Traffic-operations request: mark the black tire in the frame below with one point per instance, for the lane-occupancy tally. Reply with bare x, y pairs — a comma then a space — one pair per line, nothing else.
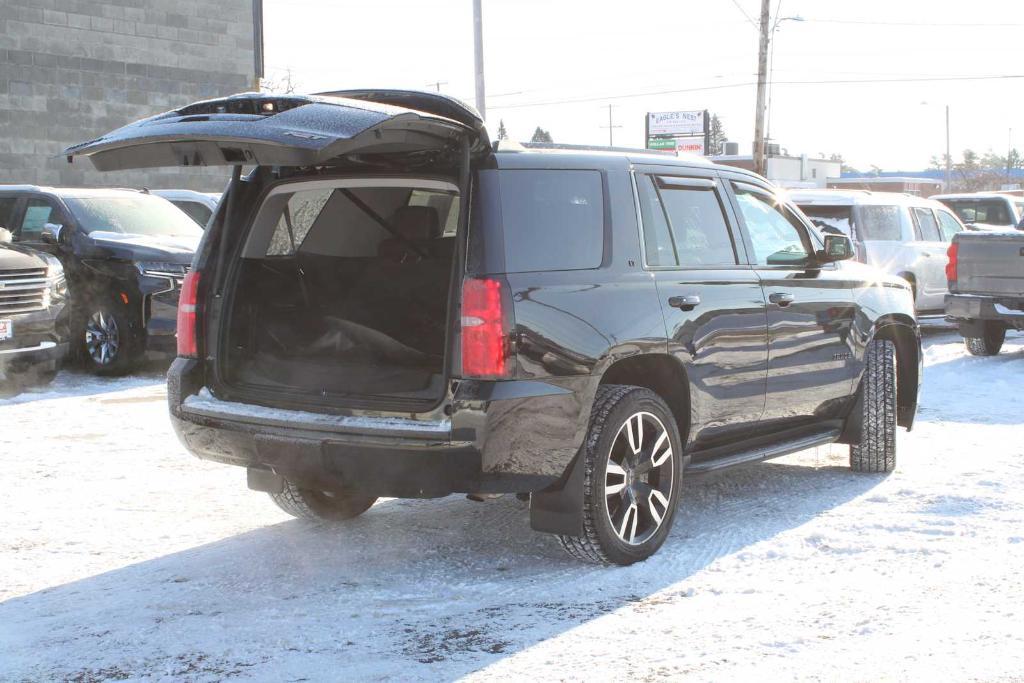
110, 344
601, 542
876, 451
321, 505
993, 336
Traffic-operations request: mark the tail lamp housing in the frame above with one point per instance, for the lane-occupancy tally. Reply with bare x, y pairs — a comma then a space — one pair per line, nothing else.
188, 340
951, 268
485, 330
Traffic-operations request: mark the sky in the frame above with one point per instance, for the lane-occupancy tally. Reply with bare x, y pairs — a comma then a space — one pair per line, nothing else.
559, 64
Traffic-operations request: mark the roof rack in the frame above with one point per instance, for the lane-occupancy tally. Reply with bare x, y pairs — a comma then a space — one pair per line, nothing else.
587, 148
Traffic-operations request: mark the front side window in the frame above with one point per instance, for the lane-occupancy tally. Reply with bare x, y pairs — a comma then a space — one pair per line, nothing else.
38, 212
926, 224
139, 214
552, 219
777, 237
879, 223
948, 225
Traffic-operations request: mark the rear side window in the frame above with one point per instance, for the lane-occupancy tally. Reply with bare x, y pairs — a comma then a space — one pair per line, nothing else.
880, 223
697, 224
552, 219
658, 247
926, 224
6, 209
948, 225
200, 213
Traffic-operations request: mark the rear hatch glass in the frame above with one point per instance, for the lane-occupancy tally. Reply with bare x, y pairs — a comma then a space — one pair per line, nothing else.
987, 211
834, 220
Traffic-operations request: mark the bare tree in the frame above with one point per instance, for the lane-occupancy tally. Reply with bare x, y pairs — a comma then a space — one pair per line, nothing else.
284, 84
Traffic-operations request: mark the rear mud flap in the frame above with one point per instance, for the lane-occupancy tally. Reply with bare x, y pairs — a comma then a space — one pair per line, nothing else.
558, 509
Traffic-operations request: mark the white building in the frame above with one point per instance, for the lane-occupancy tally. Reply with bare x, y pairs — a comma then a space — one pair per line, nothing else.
789, 171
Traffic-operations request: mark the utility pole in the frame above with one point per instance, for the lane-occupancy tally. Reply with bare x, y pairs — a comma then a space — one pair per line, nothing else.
438, 84
1009, 155
478, 53
949, 159
760, 165
611, 142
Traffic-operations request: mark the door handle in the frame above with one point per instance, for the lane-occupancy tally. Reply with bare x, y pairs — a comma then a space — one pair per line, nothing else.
781, 298
684, 303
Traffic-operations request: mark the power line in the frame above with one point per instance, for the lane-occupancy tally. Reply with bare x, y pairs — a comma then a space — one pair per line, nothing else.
744, 13
725, 86
926, 24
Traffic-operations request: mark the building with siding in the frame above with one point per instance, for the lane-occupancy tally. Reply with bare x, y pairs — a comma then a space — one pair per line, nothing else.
71, 70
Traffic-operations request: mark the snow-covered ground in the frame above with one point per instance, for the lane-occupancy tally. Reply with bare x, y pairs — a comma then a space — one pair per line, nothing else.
123, 557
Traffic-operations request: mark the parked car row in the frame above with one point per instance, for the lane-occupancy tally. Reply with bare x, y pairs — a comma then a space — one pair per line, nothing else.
590, 327
92, 275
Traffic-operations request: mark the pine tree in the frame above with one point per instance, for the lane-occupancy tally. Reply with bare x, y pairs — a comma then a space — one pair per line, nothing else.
541, 135
502, 133
716, 136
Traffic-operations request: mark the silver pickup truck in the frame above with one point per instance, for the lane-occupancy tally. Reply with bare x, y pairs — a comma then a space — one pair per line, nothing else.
986, 287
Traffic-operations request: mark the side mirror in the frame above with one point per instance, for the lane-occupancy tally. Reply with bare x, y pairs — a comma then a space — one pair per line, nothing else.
837, 248
51, 233
5, 236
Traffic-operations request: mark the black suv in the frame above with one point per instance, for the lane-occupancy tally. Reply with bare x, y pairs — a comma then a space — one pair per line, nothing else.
389, 306
125, 254
33, 320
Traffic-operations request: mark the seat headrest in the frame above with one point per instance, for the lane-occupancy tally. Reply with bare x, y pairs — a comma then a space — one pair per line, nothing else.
416, 223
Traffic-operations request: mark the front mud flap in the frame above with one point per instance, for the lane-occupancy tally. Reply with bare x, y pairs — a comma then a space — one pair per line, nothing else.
558, 509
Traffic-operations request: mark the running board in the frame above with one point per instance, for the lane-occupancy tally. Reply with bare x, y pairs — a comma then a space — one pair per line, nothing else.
765, 452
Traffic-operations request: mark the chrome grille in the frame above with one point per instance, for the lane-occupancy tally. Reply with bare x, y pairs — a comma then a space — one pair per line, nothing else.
23, 290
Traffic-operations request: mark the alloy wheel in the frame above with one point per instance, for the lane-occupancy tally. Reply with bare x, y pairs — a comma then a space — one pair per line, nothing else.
102, 338
639, 478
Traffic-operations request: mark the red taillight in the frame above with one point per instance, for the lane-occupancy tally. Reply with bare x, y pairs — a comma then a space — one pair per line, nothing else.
953, 252
188, 345
484, 341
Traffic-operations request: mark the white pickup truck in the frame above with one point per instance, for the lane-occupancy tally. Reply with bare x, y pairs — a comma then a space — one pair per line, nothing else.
986, 287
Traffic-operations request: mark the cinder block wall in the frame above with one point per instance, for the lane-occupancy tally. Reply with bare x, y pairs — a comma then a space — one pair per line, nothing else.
71, 70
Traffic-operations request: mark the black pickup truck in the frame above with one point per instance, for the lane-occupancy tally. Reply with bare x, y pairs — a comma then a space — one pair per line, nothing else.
388, 305
33, 320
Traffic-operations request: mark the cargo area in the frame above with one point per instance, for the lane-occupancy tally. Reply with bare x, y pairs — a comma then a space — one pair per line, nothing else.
342, 292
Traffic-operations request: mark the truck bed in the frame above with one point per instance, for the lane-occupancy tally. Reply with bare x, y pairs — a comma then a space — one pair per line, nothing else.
990, 263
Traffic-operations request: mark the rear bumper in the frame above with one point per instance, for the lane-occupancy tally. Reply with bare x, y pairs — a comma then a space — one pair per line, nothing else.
965, 308
496, 439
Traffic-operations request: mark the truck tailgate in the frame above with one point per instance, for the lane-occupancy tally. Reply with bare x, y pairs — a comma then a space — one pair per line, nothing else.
991, 263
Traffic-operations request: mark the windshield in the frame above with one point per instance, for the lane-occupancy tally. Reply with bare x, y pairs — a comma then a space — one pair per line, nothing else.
834, 220
990, 211
132, 215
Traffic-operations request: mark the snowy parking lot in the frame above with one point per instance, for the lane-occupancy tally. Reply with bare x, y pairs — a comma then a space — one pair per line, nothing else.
122, 557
